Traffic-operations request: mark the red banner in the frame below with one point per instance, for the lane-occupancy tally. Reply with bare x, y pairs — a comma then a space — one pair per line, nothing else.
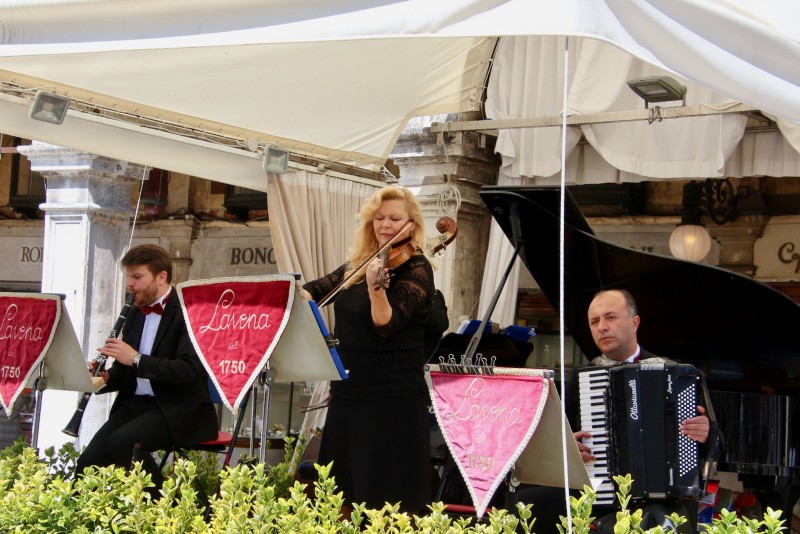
486, 420
235, 324
27, 326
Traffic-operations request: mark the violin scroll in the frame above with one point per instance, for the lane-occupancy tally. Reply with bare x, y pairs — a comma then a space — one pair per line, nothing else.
448, 229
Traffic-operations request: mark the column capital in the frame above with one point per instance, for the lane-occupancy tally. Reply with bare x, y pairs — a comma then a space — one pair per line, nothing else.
82, 182
56, 161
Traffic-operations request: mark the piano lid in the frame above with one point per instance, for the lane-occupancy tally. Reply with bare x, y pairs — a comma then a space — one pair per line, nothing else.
742, 333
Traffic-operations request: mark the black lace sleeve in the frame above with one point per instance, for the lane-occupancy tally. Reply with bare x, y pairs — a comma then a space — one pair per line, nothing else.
437, 321
320, 287
409, 294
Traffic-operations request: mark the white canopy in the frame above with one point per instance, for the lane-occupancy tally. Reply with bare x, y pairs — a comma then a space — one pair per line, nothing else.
184, 84
527, 80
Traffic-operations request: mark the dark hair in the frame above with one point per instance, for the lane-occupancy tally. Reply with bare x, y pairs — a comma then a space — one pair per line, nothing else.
154, 257
630, 302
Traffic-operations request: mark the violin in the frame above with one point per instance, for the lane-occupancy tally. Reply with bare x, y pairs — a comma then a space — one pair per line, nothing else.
386, 246
393, 257
396, 255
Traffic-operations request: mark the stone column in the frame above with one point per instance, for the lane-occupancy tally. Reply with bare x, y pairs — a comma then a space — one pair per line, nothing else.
175, 234
448, 172
737, 242
87, 216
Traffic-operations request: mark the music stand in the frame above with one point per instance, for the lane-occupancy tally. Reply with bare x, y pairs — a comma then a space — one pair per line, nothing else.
262, 324
498, 419
304, 353
61, 365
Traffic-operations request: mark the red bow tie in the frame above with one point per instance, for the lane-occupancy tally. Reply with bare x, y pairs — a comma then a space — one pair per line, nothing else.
155, 308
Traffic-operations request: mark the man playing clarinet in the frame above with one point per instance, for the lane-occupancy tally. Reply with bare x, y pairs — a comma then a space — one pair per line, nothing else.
163, 395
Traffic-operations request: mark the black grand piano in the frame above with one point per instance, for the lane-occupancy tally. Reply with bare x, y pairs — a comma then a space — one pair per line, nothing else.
743, 334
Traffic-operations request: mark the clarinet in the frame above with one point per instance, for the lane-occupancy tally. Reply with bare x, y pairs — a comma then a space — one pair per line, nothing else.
74, 424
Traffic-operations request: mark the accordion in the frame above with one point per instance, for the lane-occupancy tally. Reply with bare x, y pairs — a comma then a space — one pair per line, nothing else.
633, 413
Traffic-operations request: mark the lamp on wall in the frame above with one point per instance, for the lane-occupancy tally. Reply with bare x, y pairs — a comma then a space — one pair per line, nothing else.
49, 107
690, 240
275, 159
658, 89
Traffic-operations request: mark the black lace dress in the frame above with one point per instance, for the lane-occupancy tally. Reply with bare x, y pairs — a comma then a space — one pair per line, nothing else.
376, 432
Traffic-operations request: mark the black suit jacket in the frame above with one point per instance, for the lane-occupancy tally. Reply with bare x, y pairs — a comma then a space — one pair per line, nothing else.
177, 375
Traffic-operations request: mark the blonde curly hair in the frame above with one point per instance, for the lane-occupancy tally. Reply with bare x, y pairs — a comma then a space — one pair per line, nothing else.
365, 244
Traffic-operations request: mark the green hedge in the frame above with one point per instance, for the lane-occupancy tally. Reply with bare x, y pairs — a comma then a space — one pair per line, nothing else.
44, 496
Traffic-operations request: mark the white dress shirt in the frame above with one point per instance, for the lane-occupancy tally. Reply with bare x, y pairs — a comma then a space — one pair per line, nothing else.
151, 322
635, 355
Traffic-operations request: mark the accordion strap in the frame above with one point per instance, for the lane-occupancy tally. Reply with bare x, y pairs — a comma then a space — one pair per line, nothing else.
716, 441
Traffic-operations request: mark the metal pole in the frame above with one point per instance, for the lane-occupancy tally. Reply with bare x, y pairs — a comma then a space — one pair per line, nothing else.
39, 384
265, 380
254, 396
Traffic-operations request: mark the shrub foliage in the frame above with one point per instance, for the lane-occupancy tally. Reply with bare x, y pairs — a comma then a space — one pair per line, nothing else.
44, 496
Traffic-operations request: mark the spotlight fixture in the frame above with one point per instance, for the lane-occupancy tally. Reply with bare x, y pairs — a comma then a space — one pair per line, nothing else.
275, 159
48, 107
658, 89
690, 240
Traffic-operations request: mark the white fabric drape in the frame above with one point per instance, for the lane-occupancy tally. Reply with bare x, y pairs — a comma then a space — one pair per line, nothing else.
516, 89
790, 131
691, 146
764, 154
312, 218
526, 82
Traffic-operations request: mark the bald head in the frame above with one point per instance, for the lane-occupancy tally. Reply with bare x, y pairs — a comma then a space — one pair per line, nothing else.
614, 322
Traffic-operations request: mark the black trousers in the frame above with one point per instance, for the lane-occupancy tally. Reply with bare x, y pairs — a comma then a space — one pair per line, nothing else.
548, 504
137, 420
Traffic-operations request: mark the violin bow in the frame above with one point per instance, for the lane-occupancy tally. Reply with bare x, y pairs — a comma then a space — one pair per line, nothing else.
386, 246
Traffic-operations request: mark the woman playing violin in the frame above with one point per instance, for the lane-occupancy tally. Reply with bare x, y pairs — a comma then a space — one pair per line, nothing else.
376, 432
